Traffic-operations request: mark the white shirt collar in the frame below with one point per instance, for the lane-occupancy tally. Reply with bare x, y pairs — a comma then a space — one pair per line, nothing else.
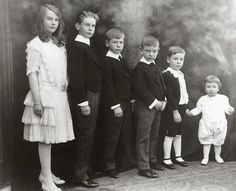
80, 38
175, 73
146, 62
113, 55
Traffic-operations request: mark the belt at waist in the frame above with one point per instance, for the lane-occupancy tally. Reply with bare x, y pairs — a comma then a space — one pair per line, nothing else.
53, 88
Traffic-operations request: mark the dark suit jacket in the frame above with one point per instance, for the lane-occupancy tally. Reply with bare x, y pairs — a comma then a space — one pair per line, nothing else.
116, 82
172, 91
84, 72
148, 83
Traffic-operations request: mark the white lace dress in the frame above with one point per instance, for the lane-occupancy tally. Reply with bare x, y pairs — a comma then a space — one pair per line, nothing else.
55, 126
213, 124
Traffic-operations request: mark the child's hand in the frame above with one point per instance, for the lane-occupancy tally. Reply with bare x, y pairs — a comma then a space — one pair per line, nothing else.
230, 110
177, 116
188, 113
38, 109
118, 112
158, 105
85, 110
163, 105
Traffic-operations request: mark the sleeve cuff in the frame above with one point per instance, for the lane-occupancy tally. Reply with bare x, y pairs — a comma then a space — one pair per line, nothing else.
115, 106
228, 110
153, 104
195, 111
85, 103
132, 101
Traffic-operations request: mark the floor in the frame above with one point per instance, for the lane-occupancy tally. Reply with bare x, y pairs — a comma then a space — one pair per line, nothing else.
213, 177
195, 177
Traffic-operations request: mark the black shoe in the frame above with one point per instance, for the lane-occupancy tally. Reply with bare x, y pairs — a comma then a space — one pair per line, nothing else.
156, 166
183, 163
112, 173
89, 183
169, 166
148, 173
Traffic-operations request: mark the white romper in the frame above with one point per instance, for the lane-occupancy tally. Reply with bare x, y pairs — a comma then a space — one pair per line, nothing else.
213, 124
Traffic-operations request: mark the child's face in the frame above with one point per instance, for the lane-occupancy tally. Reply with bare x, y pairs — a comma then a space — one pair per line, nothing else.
50, 21
87, 27
211, 88
176, 61
115, 45
150, 52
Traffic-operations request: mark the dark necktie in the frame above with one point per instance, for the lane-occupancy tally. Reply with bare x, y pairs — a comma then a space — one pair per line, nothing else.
122, 61
152, 64
124, 66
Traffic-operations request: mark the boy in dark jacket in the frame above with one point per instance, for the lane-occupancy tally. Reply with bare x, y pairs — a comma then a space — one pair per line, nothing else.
149, 91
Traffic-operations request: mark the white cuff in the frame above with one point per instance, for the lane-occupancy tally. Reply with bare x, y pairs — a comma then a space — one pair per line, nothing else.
153, 104
115, 106
132, 101
85, 103
195, 111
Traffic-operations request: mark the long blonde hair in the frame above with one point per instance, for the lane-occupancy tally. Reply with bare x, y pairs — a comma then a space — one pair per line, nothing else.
58, 36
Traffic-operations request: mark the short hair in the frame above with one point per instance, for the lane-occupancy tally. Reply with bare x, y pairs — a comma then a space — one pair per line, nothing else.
211, 79
84, 14
58, 36
114, 33
175, 50
149, 40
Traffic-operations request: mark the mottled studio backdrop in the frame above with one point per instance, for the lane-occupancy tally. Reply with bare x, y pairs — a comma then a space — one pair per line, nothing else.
206, 29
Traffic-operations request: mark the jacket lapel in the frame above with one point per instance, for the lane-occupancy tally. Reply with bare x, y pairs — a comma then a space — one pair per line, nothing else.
94, 57
91, 53
153, 72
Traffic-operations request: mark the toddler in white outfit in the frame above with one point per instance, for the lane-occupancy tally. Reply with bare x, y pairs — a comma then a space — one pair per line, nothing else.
213, 124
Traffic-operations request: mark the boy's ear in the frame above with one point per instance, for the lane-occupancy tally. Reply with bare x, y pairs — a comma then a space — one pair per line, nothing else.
107, 43
77, 26
168, 59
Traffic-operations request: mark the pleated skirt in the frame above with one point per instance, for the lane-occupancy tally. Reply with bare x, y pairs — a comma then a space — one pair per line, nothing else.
55, 125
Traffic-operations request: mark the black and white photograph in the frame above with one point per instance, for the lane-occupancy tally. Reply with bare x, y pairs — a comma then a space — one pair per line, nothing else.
117, 95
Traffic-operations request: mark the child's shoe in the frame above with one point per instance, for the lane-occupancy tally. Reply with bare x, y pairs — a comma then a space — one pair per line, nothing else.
204, 161
56, 180
48, 185
179, 161
219, 159
112, 173
168, 164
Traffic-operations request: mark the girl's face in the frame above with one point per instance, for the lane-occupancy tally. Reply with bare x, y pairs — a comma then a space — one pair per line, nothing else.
50, 21
115, 45
211, 88
176, 61
87, 27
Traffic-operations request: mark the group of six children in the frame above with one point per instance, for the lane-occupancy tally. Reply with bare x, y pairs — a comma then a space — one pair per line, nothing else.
47, 116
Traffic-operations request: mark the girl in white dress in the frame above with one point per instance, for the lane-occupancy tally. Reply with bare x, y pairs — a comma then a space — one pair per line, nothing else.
47, 117
213, 124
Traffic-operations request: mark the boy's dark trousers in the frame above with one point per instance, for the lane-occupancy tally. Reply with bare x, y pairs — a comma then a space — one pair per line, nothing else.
85, 129
118, 138
148, 124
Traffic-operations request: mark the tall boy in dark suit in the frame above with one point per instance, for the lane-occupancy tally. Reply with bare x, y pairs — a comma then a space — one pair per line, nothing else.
117, 95
149, 90
84, 89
